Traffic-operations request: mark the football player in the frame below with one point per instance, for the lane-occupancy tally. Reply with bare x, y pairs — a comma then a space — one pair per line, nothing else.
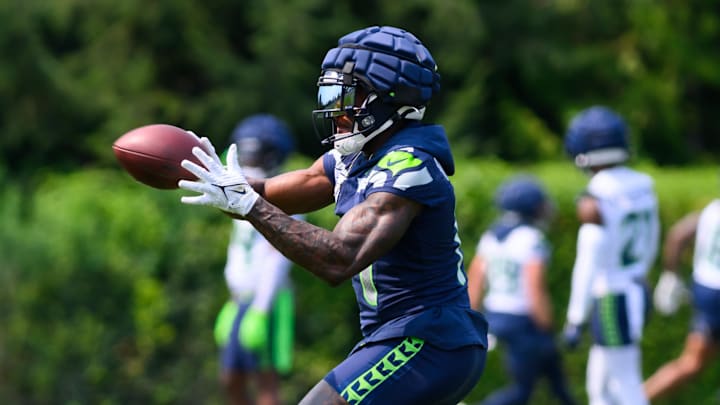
617, 243
397, 237
255, 327
701, 343
507, 279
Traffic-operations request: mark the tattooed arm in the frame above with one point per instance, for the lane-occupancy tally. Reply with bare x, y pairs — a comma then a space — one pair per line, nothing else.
361, 236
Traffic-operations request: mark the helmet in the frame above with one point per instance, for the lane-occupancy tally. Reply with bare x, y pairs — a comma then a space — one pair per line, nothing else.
522, 195
263, 141
597, 136
395, 74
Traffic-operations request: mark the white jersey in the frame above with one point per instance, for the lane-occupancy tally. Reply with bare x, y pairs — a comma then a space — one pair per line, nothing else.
706, 261
254, 270
629, 211
614, 256
505, 269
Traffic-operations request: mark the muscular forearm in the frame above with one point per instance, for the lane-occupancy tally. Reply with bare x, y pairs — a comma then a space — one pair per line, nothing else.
313, 248
363, 234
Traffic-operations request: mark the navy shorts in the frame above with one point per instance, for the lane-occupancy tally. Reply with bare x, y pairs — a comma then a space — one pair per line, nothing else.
275, 354
407, 371
233, 356
521, 333
706, 316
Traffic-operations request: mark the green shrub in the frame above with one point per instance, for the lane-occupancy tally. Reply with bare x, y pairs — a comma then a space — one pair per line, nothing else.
111, 288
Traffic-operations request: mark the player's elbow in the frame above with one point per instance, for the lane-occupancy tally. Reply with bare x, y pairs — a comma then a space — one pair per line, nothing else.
333, 275
333, 279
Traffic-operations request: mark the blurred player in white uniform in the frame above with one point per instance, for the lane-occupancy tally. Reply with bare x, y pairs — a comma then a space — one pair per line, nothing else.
255, 328
506, 278
701, 343
617, 244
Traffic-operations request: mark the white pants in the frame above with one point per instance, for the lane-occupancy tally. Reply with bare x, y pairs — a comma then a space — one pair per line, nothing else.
614, 376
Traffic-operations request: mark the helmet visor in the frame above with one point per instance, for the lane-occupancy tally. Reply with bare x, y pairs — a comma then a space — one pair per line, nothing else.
335, 99
336, 108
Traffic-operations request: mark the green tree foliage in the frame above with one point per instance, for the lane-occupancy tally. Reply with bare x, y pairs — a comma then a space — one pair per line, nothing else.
78, 74
99, 296
110, 289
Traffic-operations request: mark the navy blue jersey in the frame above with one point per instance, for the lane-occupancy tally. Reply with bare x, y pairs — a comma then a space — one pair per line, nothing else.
419, 287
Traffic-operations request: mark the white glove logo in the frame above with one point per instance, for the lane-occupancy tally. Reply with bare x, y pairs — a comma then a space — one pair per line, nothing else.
222, 187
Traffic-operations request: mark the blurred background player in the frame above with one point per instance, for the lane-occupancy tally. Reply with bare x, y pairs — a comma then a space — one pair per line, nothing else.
510, 263
255, 328
617, 243
701, 343
396, 239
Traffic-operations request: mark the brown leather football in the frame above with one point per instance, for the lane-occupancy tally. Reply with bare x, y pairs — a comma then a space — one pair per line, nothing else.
152, 154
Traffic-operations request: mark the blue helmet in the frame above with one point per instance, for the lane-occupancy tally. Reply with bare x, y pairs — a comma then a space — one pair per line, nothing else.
523, 195
397, 77
263, 141
597, 136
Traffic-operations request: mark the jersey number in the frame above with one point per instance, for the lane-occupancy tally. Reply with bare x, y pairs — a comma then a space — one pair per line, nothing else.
504, 276
636, 232
713, 254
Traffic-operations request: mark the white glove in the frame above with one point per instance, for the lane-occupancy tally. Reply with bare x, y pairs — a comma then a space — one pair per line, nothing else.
670, 292
220, 187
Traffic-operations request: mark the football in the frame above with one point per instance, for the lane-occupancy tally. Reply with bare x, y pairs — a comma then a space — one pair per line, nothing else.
152, 154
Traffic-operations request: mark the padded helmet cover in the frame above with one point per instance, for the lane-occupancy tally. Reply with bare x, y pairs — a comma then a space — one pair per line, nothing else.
390, 61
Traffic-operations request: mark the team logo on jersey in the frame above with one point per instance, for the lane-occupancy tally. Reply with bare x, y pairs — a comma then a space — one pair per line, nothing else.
398, 160
406, 170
